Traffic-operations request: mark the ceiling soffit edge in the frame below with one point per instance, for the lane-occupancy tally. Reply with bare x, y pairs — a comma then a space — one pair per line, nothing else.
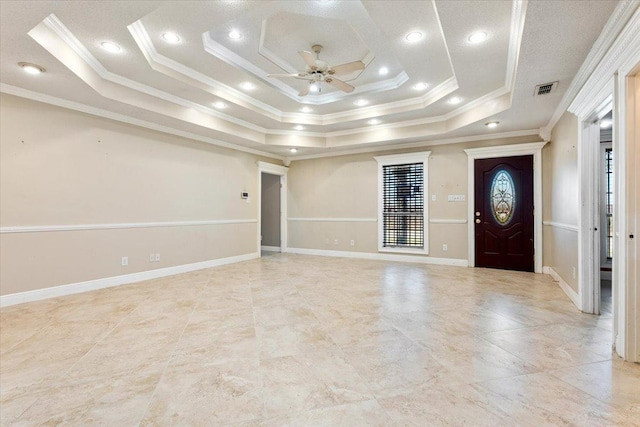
422, 144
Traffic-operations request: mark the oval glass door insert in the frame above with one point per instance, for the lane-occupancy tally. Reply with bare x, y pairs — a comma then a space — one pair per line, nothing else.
503, 198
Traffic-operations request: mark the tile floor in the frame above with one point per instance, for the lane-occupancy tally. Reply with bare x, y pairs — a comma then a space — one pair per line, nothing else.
301, 340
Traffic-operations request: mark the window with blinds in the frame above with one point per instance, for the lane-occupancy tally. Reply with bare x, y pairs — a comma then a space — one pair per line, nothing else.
403, 206
403, 214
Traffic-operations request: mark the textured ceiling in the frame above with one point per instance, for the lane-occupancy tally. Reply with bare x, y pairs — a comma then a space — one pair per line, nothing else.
174, 87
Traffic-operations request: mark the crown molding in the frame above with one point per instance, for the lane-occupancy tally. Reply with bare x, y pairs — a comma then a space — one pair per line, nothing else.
83, 108
54, 24
411, 145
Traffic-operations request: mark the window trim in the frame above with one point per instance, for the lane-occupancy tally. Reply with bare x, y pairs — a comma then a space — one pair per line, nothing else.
400, 159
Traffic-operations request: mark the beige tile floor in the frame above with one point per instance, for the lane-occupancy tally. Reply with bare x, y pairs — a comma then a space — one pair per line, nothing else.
301, 340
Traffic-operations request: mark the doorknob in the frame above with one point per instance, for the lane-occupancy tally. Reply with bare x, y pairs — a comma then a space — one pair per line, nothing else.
477, 220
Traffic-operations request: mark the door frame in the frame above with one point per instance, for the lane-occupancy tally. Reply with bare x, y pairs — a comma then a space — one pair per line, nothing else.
532, 148
271, 169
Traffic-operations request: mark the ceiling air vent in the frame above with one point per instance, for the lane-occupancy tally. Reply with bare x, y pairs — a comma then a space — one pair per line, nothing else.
545, 88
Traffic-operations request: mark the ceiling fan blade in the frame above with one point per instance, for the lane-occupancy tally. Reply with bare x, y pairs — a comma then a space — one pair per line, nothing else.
304, 91
347, 68
300, 76
339, 84
308, 58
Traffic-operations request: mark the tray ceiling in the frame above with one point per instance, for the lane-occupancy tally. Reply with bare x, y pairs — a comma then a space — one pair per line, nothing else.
210, 81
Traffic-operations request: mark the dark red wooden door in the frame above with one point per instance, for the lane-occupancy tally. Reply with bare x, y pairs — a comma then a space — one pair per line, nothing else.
504, 213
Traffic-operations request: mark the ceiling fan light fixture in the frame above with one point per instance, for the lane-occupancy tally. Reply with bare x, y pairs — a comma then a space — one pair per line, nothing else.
314, 87
234, 35
172, 38
413, 36
110, 47
478, 37
30, 68
492, 125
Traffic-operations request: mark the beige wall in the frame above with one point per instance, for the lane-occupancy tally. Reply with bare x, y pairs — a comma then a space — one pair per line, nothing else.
346, 187
270, 210
560, 199
60, 167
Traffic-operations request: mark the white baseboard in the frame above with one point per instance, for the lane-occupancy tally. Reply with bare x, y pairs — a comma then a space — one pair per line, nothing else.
381, 257
573, 295
271, 248
92, 285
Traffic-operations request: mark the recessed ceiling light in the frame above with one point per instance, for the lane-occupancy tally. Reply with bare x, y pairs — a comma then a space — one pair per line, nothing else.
171, 37
31, 68
413, 36
374, 122
455, 100
248, 86
383, 71
293, 150
420, 86
306, 110
491, 125
234, 34
361, 102
478, 37
299, 127
220, 105
605, 124
110, 47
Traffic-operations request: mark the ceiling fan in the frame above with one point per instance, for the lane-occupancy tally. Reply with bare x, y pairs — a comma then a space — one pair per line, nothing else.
318, 71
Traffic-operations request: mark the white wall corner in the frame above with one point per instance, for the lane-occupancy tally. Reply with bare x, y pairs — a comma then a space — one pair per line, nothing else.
573, 295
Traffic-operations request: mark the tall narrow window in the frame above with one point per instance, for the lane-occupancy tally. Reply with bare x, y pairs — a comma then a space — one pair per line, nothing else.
608, 158
402, 212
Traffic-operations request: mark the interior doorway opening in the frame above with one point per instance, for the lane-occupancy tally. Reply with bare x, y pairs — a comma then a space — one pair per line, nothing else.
272, 208
606, 209
270, 214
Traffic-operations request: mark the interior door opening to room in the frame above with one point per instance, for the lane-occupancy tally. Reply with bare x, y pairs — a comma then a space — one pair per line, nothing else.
270, 214
272, 208
603, 293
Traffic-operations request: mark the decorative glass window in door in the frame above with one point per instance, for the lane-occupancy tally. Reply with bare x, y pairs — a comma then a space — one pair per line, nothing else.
503, 197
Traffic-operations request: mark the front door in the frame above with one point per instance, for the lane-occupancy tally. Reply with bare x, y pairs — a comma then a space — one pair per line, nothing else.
504, 213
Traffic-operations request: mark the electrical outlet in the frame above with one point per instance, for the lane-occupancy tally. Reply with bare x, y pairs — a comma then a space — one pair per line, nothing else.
326, 241
445, 247
335, 241
433, 197
352, 242
157, 257
152, 257
574, 272
125, 261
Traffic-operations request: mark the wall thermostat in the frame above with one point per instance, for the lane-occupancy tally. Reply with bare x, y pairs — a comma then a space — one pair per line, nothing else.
244, 195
